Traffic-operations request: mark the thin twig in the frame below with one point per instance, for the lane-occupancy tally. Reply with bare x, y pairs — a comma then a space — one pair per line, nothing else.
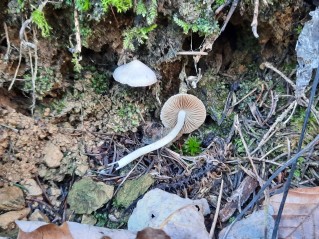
212, 230
269, 181
78, 46
272, 129
254, 23
13, 129
192, 53
237, 126
230, 13
271, 67
35, 70
249, 94
6, 56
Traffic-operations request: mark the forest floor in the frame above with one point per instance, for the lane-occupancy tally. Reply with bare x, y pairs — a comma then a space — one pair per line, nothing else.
83, 121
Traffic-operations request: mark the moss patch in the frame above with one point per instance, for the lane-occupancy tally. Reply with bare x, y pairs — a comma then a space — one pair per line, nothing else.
132, 189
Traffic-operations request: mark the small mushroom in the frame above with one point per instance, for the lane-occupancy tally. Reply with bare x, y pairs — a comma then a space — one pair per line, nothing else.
183, 113
135, 74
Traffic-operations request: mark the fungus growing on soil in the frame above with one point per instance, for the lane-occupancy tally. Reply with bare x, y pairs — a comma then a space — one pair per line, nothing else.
135, 74
183, 113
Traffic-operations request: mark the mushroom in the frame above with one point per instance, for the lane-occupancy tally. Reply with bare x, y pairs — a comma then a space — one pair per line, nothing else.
183, 113
135, 74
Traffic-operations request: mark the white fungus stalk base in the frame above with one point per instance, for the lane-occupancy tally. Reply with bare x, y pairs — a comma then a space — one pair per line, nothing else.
156, 145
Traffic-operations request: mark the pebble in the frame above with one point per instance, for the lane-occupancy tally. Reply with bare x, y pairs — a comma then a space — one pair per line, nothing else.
52, 155
32, 187
11, 198
7, 219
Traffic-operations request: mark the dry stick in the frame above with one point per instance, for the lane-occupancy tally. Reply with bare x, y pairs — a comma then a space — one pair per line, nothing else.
250, 93
212, 230
77, 32
191, 53
269, 181
35, 71
237, 126
271, 67
6, 56
254, 23
230, 13
272, 128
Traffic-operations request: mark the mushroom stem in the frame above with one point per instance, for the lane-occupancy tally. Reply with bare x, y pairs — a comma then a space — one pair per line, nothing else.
156, 145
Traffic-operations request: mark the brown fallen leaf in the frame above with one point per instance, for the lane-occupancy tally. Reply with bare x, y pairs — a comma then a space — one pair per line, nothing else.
300, 218
152, 233
49, 231
76, 230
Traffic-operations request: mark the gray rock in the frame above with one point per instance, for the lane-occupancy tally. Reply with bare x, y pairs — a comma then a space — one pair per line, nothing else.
87, 195
178, 217
254, 226
132, 189
32, 187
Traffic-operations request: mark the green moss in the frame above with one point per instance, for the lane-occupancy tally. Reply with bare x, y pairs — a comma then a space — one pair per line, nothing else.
135, 36
132, 189
120, 5
192, 146
39, 19
44, 82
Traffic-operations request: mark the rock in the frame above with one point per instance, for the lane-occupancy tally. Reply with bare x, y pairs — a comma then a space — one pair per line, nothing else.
52, 155
37, 215
32, 187
88, 219
180, 218
132, 189
9, 217
86, 195
253, 226
11, 198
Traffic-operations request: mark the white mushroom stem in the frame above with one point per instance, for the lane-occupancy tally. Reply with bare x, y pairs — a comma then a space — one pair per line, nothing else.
156, 145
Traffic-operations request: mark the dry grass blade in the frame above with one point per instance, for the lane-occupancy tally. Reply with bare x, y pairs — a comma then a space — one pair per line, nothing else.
300, 218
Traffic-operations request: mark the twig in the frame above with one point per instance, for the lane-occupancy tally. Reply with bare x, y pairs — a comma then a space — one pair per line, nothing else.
270, 132
35, 70
230, 13
6, 56
271, 67
212, 230
17, 69
249, 94
269, 181
237, 126
254, 23
78, 45
192, 53
13, 129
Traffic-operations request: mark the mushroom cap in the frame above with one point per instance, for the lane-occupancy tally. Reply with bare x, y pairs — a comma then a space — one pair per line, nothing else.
135, 74
194, 108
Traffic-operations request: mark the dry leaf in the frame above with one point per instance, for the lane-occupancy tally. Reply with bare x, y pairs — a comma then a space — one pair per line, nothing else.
76, 231
300, 218
49, 231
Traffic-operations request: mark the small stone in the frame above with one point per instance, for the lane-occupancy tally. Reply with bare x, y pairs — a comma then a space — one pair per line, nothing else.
37, 215
132, 189
88, 219
32, 187
52, 155
46, 112
87, 195
11, 198
9, 217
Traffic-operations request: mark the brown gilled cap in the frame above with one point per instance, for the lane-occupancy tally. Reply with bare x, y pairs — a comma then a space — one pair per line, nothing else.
194, 108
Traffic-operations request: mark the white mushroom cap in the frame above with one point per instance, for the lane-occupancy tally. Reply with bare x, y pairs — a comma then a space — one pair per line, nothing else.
135, 74
194, 108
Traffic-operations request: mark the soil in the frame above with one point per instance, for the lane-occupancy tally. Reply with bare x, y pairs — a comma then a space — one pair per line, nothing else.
90, 120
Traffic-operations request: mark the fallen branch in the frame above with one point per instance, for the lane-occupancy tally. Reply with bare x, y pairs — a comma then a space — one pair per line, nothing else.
254, 23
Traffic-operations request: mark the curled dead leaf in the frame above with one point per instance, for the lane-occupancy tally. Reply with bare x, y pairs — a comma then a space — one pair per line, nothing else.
300, 218
48, 231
